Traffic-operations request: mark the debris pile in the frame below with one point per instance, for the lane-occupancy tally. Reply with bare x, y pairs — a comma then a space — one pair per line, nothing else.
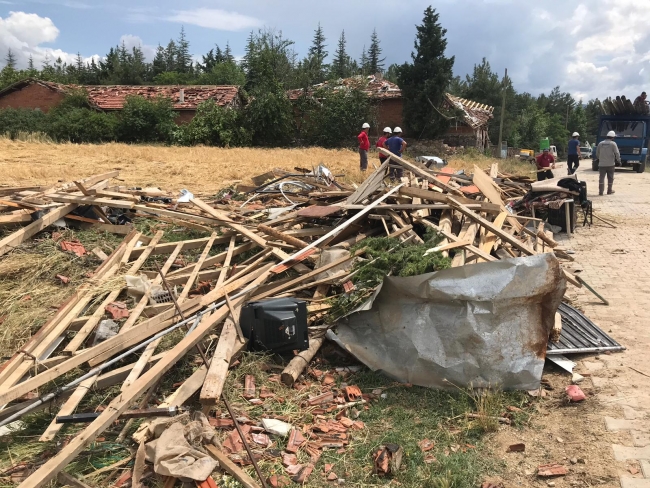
302, 239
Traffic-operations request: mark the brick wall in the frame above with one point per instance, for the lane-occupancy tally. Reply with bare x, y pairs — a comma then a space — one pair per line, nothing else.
32, 96
389, 113
184, 116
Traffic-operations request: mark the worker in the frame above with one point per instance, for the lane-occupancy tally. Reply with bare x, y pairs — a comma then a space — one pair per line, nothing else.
396, 145
380, 143
608, 156
640, 104
364, 145
573, 158
545, 162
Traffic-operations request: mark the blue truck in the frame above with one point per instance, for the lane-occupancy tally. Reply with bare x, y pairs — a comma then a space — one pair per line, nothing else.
632, 138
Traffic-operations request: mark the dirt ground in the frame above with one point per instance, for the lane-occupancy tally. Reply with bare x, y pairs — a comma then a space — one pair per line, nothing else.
615, 262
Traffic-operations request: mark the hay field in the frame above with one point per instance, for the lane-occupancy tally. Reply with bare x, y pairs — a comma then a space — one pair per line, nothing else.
199, 169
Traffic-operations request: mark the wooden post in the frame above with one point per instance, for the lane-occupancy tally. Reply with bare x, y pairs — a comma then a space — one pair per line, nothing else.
297, 365
503, 111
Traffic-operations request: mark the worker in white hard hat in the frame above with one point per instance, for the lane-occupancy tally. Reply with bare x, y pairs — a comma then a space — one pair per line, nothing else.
364, 146
607, 157
380, 143
573, 158
396, 145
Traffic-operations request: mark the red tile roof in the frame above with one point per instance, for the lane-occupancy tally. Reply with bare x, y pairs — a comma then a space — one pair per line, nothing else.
113, 97
19, 85
474, 114
372, 86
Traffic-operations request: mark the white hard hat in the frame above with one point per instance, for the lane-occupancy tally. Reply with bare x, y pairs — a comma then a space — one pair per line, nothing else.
388, 129
365, 125
575, 134
397, 129
611, 133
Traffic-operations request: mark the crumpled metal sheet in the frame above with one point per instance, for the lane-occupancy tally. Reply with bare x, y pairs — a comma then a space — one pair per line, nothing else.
479, 325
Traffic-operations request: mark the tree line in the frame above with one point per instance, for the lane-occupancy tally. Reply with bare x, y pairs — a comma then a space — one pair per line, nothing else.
271, 65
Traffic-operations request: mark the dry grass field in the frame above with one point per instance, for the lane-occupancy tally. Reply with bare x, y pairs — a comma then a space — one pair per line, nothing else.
199, 169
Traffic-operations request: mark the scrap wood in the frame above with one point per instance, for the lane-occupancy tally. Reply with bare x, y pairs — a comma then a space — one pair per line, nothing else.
16, 238
55, 464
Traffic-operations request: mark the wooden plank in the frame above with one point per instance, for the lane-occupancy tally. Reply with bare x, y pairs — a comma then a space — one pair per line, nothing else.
197, 267
214, 260
228, 222
114, 229
370, 185
177, 215
454, 238
168, 247
505, 236
113, 194
236, 472
451, 245
68, 480
468, 233
15, 239
55, 464
490, 238
420, 171
492, 193
68, 408
86, 200
226, 263
216, 377
438, 197
411, 206
17, 217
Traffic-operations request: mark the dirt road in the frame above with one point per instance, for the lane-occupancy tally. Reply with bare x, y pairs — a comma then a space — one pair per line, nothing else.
606, 440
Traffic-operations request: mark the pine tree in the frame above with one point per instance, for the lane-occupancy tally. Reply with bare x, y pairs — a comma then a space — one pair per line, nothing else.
227, 54
375, 63
170, 56
424, 81
183, 57
317, 55
341, 61
10, 59
30, 63
159, 61
364, 62
79, 63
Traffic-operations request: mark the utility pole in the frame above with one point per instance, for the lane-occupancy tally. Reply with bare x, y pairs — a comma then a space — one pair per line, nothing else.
503, 111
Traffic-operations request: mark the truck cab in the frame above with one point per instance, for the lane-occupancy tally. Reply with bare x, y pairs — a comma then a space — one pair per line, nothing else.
632, 138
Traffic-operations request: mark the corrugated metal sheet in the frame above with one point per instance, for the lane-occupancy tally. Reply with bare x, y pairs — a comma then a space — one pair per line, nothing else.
580, 335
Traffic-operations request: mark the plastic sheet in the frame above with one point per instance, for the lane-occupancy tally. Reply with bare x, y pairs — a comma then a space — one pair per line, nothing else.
479, 325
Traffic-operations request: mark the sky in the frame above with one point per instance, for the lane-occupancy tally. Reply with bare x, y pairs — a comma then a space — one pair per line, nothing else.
590, 48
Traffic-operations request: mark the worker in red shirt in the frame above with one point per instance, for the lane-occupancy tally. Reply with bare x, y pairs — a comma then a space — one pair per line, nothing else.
380, 143
545, 162
364, 146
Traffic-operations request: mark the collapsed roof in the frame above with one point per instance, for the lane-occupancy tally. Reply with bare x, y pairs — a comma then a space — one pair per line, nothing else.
474, 114
373, 86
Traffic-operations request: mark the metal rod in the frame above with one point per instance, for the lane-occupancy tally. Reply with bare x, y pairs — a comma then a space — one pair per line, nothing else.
241, 434
180, 312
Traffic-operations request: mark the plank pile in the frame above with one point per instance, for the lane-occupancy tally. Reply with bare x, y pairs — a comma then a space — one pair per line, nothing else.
266, 248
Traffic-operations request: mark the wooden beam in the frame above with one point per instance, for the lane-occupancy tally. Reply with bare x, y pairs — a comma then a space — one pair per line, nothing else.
490, 238
421, 171
505, 236
89, 200
454, 238
216, 377
55, 464
492, 193
438, 197
15, 239
197, 267
226, 464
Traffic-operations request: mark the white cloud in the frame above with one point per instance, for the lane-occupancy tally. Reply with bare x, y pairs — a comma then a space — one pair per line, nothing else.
24, 33
213, 18
131, 41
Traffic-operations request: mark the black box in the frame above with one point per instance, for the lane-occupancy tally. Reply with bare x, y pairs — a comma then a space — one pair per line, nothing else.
278, 325
558, 217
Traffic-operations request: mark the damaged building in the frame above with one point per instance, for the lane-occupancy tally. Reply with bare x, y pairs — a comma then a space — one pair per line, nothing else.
470, 128
44, 95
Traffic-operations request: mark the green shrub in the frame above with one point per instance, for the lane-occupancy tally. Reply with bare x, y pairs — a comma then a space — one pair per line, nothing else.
269, 116
143, 120
20, 120
336, 120
83, 125
214, 126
